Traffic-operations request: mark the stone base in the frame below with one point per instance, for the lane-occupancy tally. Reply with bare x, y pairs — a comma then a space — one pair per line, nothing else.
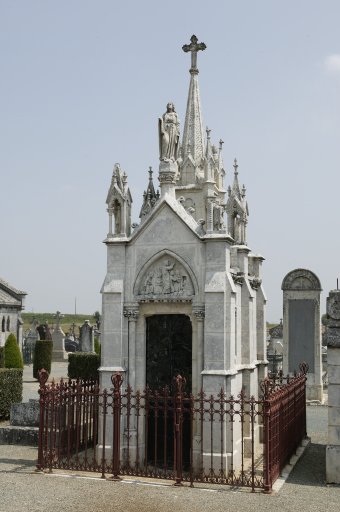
314, 392
25, 436
333, 464
59, 356
25, 414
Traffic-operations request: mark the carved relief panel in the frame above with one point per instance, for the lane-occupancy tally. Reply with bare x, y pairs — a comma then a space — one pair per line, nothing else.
165, 279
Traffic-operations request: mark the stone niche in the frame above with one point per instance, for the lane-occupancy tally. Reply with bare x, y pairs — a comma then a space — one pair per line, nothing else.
302, 328
165, 279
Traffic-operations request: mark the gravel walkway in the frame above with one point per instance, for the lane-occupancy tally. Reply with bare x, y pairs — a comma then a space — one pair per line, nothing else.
23, 490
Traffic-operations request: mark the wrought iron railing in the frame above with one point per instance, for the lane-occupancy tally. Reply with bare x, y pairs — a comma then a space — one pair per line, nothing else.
169, 434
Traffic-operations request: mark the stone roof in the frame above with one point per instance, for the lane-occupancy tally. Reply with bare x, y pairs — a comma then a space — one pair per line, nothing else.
10, 296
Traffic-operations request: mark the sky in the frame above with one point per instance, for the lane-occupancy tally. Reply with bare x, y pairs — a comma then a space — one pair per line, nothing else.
82, 86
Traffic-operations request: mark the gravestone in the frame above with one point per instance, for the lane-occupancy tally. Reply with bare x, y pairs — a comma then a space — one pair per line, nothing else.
302, 328
333, 366
86, 343
58, 354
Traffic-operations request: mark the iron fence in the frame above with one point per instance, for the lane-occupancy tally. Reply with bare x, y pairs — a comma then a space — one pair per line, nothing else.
169, 434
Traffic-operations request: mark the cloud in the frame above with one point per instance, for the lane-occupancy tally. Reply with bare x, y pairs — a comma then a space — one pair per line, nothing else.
332, 63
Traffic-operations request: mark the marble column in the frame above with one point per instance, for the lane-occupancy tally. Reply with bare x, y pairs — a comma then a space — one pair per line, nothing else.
131, 313
199, 314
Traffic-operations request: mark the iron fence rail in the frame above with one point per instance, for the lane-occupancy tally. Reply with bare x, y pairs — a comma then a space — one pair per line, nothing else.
169, 434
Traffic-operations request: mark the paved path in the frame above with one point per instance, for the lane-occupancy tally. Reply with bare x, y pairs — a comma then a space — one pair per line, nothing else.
31, 385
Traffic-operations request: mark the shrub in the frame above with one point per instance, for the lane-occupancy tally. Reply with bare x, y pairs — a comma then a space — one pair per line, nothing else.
42, 356
2, 357
83, 365
10, 389
13, 358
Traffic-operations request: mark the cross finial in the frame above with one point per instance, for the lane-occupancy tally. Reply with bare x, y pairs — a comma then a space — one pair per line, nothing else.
193, 47
208, 132
150, 173
235, 167
221, 142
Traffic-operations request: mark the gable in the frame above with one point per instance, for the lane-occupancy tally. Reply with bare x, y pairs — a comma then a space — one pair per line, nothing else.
165, 228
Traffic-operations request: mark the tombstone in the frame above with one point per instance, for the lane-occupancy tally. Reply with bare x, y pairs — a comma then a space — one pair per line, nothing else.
58, 353
29, 342
333, 364
302, 328
86, 343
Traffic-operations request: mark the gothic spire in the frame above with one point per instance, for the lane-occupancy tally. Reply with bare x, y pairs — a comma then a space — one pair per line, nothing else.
193, 134
149, 197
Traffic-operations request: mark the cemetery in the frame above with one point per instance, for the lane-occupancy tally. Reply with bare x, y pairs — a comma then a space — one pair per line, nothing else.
180, 380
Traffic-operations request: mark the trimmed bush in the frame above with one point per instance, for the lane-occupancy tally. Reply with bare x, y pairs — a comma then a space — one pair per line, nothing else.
2, 357
10, 389
83, 365
42, 356
13, 358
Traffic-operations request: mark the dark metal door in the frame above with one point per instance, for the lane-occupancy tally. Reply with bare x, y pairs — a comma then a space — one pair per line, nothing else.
168, 354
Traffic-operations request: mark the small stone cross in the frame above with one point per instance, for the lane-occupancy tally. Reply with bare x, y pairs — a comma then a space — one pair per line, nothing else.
58, 316
193, 47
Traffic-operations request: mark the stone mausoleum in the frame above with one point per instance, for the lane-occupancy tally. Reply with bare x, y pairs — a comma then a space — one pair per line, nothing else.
183, 291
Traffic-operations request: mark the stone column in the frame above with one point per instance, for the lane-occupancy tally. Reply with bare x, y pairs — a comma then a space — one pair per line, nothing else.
131, 312
110, 212
333, 367
199, 313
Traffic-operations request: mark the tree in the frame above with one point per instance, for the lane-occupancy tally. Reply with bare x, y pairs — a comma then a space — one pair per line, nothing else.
13, 357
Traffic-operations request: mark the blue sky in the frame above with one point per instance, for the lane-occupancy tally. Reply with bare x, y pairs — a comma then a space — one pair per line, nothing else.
82, 85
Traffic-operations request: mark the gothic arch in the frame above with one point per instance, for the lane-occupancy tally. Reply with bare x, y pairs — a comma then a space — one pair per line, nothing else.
180, 280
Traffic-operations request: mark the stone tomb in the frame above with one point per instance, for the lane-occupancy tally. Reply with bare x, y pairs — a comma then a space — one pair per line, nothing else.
183, 269
302, 328
333, 367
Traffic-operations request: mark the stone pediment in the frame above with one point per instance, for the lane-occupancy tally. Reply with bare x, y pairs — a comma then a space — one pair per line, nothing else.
165, 280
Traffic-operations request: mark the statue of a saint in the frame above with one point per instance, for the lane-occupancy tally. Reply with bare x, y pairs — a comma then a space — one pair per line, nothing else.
168, 129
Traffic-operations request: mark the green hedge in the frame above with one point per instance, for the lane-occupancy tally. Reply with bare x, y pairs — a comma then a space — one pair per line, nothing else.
83, 365
13, 358
10, 389
42, 356
2, 357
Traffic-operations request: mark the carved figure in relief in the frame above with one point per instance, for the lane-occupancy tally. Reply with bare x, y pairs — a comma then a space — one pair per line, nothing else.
176, 280
158, 281
148, 287
168, 128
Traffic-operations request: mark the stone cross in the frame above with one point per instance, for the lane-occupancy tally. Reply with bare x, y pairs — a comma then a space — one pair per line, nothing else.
58, 316
193, 47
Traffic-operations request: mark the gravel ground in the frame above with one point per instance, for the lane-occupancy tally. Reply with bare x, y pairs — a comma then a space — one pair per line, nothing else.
23, 490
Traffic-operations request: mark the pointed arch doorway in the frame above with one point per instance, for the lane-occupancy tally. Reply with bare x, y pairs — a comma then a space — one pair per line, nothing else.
168, 354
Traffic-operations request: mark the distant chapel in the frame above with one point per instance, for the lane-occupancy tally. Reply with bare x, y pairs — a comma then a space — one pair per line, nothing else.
183, 291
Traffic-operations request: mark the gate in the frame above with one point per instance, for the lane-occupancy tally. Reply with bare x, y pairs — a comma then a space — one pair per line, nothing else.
239, 441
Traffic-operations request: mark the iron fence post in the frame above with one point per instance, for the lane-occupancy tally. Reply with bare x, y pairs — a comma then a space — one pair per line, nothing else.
267, 481
117, 381
42, 378
178, 431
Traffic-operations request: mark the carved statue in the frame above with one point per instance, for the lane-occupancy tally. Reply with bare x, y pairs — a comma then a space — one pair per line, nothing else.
168, 129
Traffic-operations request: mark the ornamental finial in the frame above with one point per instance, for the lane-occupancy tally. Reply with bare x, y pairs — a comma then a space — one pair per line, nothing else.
193, 47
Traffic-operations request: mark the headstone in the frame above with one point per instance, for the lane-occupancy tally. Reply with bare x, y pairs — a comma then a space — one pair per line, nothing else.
333, 363
302, 328
58, 354
86, 337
